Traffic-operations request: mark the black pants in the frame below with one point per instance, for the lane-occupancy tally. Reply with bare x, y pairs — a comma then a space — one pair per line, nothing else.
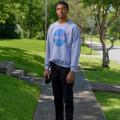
62, 92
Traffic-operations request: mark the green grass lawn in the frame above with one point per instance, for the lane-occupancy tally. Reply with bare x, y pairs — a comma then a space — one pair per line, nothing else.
96, 73
95, 38
87, 51
29, 55
110, 104
25, 53
18, 99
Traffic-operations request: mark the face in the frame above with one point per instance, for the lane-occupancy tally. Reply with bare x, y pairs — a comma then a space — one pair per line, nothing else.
61, 11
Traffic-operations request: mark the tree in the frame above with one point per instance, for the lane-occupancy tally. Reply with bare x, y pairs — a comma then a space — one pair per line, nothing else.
114, 30
9, 19
79, 15
105, 12
33, 22
29, 14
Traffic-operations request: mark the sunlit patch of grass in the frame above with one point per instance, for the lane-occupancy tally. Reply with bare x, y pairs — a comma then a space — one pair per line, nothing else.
96, 73
110, 104
18, 99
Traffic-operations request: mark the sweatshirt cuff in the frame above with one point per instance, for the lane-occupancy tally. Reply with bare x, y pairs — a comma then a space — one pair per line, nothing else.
74, 69
46, 67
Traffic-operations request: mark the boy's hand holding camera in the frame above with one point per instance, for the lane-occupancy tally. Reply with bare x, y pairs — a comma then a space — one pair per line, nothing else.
47, 76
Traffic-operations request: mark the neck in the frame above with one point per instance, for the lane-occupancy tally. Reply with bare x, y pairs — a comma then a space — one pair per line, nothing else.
62, 20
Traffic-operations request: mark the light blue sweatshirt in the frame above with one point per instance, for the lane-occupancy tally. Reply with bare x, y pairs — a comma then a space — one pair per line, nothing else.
63, 45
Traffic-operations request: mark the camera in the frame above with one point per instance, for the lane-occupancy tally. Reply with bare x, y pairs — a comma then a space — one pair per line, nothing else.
48, 80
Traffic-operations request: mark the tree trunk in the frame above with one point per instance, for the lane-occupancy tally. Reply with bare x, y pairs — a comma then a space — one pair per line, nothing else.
30, 19
105, 60
83, 37
30, 31
119, 36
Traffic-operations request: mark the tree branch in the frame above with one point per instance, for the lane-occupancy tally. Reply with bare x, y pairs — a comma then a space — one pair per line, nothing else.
113, 17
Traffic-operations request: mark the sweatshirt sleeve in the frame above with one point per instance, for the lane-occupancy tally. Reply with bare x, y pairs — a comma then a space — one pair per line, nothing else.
47, 56
75, 52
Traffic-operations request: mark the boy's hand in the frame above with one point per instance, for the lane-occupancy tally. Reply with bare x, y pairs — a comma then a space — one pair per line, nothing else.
70, 77
46, 73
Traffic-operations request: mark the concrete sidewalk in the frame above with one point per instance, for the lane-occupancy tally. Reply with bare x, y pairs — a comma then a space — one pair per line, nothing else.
85, 105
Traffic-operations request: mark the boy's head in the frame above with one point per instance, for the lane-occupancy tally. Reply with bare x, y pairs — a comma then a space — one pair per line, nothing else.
62, 9
64, 4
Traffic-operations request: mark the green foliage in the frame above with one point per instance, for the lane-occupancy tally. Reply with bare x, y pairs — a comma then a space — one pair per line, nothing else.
29, 14
10, 29
79, 15
52, 17
114, 30
105, 2
102, 10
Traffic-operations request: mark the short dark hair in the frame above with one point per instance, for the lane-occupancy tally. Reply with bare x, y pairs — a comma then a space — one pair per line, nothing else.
63, 3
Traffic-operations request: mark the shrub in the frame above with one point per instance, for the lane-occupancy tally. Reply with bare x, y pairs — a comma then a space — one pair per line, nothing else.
10, 31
